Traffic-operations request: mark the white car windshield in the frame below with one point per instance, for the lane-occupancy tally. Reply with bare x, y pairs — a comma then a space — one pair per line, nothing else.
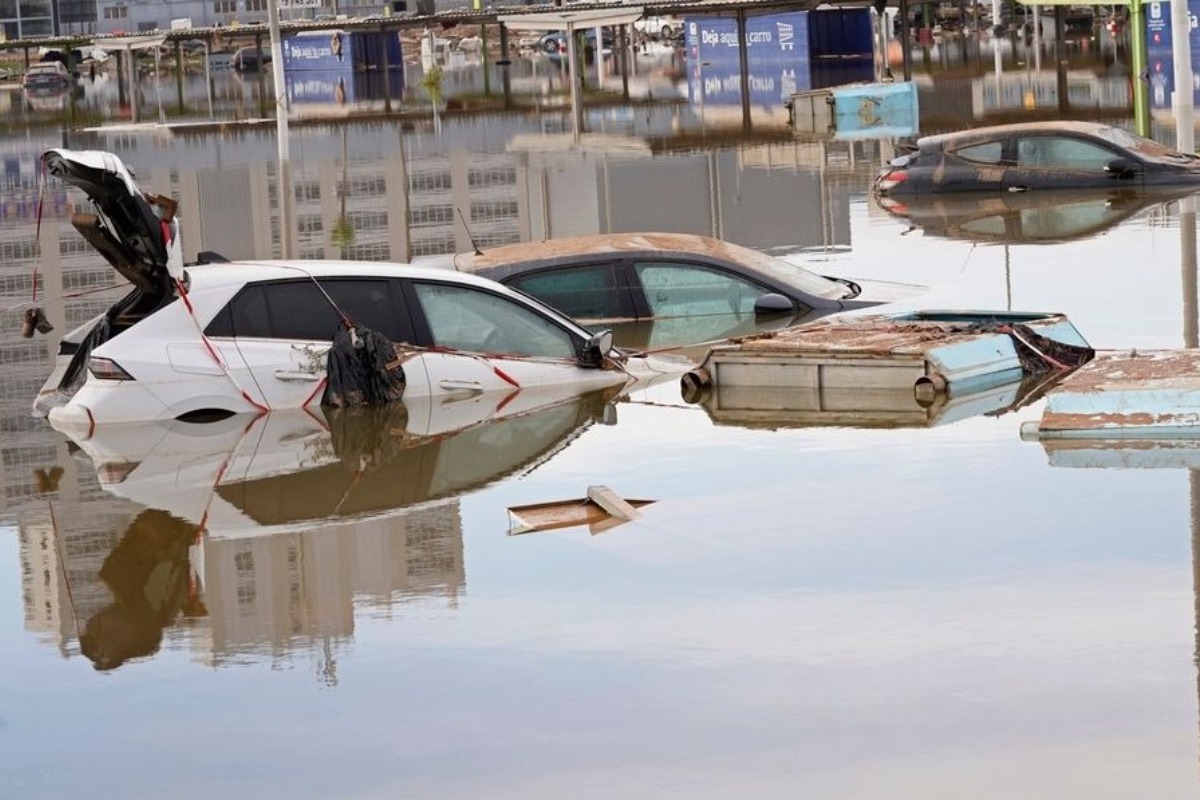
785, 272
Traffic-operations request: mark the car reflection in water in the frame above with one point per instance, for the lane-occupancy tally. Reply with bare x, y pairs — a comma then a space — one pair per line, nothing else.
868, 406
271, 529
1026, 217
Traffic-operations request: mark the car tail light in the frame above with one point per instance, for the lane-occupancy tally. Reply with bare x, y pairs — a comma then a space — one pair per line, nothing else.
891, 180
107, 370
893, 205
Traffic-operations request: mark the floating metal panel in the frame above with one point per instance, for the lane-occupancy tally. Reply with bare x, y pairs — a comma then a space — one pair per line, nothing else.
1130, 394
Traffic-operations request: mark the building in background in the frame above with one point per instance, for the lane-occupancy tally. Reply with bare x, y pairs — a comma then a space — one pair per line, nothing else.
25, 19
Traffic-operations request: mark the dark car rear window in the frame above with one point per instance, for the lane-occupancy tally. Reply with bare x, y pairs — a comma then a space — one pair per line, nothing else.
586, 292
300, 310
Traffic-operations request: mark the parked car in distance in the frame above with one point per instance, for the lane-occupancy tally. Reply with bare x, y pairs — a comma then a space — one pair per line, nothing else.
1048, 217
554, 43
46, 76
1035, 156
658, 27
628, 277
224, 338
246, 59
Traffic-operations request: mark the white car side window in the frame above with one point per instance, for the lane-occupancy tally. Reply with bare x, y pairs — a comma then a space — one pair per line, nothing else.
470, 319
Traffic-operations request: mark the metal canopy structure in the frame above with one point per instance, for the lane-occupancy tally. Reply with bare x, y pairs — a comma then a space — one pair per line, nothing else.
569, 22
128, 43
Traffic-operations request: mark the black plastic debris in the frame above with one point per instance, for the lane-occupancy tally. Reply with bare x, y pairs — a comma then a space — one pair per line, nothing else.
364, 368
1041, 354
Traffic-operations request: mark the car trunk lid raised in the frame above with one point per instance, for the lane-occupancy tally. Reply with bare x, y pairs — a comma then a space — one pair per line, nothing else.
136, 232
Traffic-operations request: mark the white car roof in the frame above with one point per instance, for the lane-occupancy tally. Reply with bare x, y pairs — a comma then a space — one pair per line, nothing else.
238, 273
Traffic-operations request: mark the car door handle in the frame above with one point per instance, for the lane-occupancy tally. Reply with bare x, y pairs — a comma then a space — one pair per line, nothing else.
1018, 188
451, 385
296, 375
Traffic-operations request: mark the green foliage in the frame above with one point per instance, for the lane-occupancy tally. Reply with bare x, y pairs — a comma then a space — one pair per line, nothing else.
432, 83
342, 234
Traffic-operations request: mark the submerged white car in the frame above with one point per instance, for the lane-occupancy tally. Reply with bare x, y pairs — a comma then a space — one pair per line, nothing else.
223, 338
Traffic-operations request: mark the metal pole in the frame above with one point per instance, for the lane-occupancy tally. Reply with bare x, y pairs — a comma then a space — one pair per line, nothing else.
1060, 58
623, 32
162, 117
487, 71
1183, 99
1037, 39
135, 93
122, 80
1137, 50
179, 75
505, 63
572, 70
599, 57
905, 41
1187, 250
262, 89
283, 188
744, 66
208, 85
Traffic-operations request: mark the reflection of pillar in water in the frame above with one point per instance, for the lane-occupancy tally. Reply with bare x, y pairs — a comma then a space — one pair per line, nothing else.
1187, 257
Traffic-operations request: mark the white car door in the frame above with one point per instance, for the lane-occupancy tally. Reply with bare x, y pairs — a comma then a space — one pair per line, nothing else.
493, 342
283, 332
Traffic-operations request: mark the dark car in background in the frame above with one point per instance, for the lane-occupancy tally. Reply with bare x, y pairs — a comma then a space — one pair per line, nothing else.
672, 288
1035, 156
46, 76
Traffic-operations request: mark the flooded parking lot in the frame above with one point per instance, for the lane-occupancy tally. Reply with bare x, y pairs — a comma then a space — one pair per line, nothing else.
313, 606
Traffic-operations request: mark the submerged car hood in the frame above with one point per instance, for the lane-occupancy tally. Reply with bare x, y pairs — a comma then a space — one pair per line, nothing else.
136, 232
877, 293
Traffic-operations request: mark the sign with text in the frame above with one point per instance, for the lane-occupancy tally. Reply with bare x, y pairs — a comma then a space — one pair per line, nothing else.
781, 37
777, 53
1160, 61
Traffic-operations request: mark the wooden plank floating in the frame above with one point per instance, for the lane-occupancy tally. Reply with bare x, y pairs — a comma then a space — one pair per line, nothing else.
600, 510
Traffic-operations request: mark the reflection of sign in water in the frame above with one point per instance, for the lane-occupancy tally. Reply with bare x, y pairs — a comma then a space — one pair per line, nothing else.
340, 86
721, 84
315, 87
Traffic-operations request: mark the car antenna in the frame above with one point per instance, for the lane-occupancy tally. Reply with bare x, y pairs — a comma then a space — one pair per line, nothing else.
474, 246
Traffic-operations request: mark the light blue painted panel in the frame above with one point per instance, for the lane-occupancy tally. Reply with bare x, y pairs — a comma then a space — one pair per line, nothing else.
875, 110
